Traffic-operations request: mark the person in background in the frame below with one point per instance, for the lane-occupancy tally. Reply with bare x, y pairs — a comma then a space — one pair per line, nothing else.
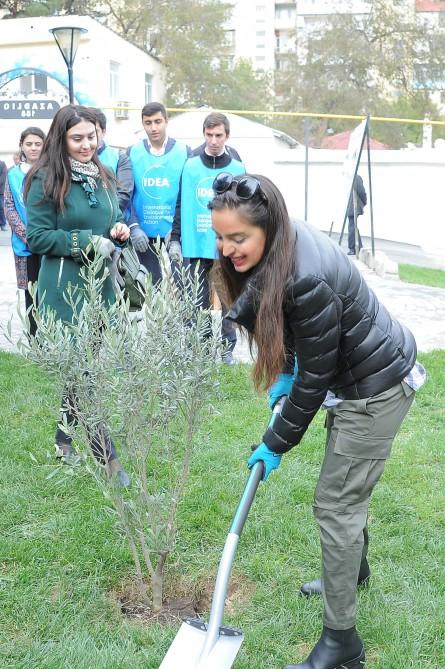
356, 207
3, 172
116, 161
27, 264
157, 162
73, 211
301, 299
192, 235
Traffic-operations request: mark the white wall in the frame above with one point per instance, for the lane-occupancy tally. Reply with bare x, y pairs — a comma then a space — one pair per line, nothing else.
407, 191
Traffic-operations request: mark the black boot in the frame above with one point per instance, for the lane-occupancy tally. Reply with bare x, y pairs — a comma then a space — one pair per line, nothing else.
314, 587
336, 649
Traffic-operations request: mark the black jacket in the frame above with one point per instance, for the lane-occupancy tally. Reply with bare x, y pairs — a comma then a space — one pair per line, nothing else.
342, 336
360, 199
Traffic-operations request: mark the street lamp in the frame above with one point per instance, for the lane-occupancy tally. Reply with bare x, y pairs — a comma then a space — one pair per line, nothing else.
67, 39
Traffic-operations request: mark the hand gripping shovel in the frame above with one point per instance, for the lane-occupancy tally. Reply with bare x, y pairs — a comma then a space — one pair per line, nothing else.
199, 645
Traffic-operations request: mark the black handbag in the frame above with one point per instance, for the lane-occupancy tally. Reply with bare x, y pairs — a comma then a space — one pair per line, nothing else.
130, 276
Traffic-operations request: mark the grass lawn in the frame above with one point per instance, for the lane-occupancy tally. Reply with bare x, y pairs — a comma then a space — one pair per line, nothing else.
422, 275
61, 559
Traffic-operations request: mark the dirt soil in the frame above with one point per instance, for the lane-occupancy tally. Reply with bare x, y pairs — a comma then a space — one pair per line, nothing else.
179, 604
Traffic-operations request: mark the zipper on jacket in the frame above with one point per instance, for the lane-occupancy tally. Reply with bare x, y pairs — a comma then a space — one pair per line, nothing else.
59, 278
111, 208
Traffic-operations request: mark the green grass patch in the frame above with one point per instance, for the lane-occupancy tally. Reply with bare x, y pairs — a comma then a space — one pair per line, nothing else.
61, 558
422, 275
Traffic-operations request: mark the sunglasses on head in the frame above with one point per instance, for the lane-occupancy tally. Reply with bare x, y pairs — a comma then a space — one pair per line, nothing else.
246, 187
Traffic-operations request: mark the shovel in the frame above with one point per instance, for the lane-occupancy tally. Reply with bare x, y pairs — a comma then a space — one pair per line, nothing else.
199, 645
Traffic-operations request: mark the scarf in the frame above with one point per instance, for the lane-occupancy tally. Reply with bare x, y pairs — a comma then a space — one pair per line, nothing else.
87, 174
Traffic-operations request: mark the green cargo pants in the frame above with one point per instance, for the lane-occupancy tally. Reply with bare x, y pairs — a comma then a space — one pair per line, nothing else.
360, 434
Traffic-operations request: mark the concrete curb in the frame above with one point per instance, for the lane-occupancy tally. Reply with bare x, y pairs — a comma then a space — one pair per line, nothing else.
380, 264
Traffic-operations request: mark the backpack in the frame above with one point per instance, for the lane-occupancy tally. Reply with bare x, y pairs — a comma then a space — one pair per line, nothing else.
130, 276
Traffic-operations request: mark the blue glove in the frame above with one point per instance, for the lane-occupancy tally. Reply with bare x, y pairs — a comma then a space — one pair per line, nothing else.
282, 386
270, 459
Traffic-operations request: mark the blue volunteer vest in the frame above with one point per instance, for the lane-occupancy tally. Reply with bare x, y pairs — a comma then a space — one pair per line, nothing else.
15, 179
156, 187
110, 158
198, 239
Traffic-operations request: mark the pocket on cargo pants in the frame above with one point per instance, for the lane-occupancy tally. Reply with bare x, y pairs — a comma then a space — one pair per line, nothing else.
360, 440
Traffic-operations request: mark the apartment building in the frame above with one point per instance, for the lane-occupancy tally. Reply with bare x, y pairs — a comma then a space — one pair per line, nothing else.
266, 32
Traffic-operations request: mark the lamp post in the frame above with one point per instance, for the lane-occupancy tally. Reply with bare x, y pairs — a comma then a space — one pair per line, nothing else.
67, 39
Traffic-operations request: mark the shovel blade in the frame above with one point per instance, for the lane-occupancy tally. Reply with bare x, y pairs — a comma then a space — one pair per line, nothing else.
186, 649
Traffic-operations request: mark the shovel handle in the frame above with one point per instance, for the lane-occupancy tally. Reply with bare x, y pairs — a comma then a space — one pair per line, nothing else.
256, 474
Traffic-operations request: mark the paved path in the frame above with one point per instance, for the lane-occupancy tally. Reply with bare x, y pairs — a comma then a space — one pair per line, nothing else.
421, 308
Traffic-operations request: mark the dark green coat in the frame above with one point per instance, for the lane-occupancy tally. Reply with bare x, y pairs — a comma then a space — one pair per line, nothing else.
58, 236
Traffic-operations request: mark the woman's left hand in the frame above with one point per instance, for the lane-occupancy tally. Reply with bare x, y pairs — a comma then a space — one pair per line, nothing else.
120, 232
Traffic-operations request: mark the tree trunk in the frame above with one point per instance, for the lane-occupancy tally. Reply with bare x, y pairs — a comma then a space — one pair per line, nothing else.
157, 583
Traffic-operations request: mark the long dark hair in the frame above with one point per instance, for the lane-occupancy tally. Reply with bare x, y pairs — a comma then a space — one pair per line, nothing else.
54, 156
31, 130
268, 278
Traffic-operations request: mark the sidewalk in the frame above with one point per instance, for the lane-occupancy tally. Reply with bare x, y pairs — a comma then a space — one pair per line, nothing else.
421, 308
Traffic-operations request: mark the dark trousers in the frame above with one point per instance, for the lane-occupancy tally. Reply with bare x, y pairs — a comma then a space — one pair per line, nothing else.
150, 260
201, 267
351, 234
100, 442
32, 269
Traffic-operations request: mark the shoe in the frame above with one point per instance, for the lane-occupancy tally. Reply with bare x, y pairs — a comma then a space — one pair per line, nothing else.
351, 252
3, 228
312, 588
228, 358
336, 649
114, 470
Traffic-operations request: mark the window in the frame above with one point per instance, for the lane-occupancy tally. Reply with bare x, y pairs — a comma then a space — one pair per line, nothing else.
283, 13
260, 33
26, 84
114, 79
34, 83
40, 83
229, 38
282, 65
148, 88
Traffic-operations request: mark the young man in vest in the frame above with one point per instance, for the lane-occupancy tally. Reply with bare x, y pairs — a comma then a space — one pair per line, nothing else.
157, 162
192, 235
116, 161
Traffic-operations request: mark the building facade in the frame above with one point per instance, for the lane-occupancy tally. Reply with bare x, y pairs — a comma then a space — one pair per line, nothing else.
109, 72
266, 32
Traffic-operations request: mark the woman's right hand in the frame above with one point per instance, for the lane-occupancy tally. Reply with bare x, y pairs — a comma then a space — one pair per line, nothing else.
120, 232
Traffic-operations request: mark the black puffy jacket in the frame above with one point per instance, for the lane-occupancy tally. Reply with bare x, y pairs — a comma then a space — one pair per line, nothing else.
343, 338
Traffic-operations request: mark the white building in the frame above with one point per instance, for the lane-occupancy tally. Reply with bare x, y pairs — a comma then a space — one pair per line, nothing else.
109, 72
267, 31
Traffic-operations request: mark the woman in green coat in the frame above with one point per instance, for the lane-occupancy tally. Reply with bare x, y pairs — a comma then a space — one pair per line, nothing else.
72, 209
